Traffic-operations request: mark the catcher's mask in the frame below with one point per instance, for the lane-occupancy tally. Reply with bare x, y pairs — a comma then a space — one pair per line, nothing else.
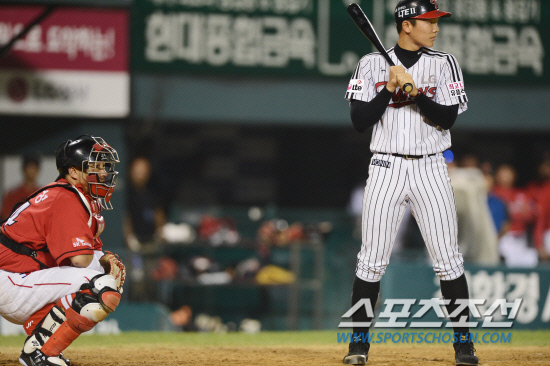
96, 158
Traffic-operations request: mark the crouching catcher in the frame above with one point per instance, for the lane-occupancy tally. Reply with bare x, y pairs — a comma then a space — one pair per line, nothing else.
55, 279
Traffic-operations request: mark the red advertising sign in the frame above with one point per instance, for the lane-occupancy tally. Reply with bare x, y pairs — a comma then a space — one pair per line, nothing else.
75, 62
69, 39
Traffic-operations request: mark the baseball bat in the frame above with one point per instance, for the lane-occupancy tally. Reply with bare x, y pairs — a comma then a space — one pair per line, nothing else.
364, 25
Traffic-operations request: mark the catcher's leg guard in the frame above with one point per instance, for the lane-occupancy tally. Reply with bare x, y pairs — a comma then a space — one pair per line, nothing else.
90, 306
36, 319
104, 287
31, 353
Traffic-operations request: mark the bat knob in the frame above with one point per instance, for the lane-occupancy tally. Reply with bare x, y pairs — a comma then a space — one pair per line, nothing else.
407, 88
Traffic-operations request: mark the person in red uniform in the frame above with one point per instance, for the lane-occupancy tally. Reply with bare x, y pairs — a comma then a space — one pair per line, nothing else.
539, 190
542, 225
31, 169
535, 187
514, 245
53, 276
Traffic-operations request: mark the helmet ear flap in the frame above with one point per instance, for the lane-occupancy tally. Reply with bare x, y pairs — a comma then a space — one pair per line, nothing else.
65, 158
61, 157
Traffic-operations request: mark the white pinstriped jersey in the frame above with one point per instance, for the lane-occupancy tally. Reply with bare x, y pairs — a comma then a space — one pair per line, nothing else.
402, 128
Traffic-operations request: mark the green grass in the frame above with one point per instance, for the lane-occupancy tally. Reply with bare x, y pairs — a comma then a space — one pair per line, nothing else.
133, 339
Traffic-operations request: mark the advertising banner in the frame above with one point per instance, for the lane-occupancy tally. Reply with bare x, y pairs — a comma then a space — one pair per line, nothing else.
524, 293
74, 63
494, 40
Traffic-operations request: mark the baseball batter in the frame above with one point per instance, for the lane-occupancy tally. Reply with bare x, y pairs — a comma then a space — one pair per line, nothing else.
54, 278
410, 133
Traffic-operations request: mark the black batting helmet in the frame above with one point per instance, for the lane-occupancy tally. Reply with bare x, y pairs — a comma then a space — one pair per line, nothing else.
418, 9
80, 153
72, 153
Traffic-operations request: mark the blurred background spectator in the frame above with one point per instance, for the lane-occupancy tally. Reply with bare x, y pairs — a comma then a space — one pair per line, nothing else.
31, 170
514, 244
477, 237
535, 186
497, 206
144, 219
542, 198
145, 215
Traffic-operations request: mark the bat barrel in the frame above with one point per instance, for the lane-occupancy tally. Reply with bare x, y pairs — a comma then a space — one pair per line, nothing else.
356, 13
364, 25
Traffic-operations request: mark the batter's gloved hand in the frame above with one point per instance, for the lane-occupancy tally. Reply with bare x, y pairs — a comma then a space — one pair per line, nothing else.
112, 265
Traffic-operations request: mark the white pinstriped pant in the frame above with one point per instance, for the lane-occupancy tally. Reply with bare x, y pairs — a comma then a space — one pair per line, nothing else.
425, 185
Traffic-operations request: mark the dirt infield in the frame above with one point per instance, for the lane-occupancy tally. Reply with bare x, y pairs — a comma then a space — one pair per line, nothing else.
439, 355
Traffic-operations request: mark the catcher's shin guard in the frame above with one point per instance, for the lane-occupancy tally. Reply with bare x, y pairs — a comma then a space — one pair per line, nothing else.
37, 318
74, 326
31, 353
90, 306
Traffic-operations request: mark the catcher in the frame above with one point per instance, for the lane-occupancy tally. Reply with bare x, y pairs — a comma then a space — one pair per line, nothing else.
54, 278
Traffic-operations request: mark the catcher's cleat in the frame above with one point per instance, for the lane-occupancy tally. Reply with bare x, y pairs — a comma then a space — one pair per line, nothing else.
37, 358
41, 334
465, 354
66, 360
32, 344
358, 353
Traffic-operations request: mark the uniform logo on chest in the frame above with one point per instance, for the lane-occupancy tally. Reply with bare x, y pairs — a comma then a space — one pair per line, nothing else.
381, 163
401, 99
431, 79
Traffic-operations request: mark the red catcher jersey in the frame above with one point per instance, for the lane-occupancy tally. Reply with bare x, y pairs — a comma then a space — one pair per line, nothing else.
57, 219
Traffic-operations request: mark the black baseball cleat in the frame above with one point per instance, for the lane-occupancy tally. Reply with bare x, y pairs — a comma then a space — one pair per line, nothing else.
66, 360
465, 354
27, 359
35, 342
37, 358
358, 353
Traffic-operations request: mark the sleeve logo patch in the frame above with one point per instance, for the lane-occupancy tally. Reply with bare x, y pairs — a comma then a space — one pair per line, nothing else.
456, 89
79, 242
356, 86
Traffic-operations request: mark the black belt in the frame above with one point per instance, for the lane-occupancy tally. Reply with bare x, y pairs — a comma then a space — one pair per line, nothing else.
408, 157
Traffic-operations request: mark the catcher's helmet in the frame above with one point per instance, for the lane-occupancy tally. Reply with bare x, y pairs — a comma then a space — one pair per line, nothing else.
80, 153
418, 9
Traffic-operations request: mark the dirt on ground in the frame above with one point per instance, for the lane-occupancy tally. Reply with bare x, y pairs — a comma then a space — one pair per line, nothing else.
287, 355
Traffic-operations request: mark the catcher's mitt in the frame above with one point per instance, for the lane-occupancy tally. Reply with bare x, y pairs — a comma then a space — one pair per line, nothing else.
112, 265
